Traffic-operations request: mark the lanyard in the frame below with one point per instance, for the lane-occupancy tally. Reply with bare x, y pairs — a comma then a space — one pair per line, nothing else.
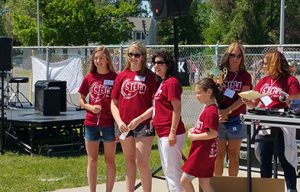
272, 83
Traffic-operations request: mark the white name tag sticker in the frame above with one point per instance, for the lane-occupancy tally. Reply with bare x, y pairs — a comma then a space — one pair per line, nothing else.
229, 93
139, 78
108, 82
266, 100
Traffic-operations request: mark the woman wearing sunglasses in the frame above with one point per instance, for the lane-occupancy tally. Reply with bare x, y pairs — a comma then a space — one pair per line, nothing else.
131, 97
231, 131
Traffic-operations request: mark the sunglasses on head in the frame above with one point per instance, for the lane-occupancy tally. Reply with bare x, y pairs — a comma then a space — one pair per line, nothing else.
158, 62
136, 55
236, 56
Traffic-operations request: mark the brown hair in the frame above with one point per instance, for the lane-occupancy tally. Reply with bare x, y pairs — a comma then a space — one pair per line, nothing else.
229, 50
110, 66
277, 64
142, 48
208, 83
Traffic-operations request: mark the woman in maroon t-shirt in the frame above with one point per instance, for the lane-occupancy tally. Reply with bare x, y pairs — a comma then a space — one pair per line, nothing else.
167, 119
231, 131
278, 82
131, 98
99, 122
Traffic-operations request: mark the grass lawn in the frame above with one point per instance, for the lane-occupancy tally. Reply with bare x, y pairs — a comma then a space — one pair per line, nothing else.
22, 172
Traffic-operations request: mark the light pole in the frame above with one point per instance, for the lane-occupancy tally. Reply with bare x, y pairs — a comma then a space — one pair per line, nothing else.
38, 22
281, 36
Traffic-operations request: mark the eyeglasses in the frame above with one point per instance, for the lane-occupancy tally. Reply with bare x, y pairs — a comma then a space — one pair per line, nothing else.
136, 55
236, 56
158, 62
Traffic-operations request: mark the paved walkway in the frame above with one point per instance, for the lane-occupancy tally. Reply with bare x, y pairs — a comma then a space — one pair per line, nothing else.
158, 185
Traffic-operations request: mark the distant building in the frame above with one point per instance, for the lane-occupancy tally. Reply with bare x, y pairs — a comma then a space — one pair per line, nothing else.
144, 30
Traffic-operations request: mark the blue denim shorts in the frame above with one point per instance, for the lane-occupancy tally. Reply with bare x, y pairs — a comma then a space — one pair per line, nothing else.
104, 134
224, 134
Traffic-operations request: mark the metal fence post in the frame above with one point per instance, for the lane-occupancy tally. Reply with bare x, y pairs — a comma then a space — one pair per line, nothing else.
121, 57
217, 54
48, 63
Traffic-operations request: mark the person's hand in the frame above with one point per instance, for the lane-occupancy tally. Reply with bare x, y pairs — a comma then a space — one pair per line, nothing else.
134, 123
123, 128
172, 138
247, 101
223, 115
95, 109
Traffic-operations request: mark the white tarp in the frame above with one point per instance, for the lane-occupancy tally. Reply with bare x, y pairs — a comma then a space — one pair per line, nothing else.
69, 70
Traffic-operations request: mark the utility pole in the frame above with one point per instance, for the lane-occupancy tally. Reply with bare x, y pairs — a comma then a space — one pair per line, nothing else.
282, 7
38, 22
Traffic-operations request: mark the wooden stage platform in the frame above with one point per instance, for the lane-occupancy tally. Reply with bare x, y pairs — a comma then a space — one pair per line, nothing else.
38, 134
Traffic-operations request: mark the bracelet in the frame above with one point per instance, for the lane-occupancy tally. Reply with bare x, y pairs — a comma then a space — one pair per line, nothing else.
173, 130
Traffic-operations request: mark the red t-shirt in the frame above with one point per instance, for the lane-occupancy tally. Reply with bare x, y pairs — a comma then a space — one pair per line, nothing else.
273, 87
201, 160
98, 87
134, 93
169, 90
235, 82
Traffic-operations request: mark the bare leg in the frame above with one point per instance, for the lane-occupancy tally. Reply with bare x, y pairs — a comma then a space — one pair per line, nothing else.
128, 147
187, 184
219, 163
109, 156
92, 148
233, 156
143, 151
206, 185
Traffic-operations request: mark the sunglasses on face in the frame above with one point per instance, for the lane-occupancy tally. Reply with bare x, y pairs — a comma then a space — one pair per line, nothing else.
236, 56
136, 55
158, 62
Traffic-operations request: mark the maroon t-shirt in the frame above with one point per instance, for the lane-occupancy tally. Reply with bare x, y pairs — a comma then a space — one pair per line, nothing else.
273, 87
202, 155
169, 90
235, 82
98, 88
134, 93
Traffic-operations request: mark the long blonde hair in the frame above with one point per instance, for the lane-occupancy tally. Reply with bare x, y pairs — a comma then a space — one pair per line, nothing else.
225, 59
142, 48
110, 66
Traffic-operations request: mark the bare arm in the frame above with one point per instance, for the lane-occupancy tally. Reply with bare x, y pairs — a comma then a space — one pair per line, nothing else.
83, 103
225, 112
138, 120
210, 134
116, 114
175, 121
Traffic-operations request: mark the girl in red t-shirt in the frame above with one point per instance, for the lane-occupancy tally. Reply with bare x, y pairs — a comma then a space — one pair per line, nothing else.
131, 98
203, 151
99, 122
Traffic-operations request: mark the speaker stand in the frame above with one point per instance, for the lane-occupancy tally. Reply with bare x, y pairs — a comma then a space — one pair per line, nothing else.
3, 118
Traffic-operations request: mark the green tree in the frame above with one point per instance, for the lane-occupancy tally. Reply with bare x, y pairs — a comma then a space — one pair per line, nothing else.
72, 22
252, 21
190, 26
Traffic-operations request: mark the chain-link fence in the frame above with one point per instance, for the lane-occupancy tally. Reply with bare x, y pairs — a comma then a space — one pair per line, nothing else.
201, 60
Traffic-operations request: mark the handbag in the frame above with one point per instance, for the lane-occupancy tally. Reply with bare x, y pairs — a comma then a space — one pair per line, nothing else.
233, 125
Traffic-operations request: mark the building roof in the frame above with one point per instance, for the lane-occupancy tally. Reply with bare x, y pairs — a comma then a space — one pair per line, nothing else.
138, 25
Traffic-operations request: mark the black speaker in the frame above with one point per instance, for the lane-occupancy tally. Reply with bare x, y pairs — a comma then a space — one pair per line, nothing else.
53, 83
164, 9
5, 53
48, 100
